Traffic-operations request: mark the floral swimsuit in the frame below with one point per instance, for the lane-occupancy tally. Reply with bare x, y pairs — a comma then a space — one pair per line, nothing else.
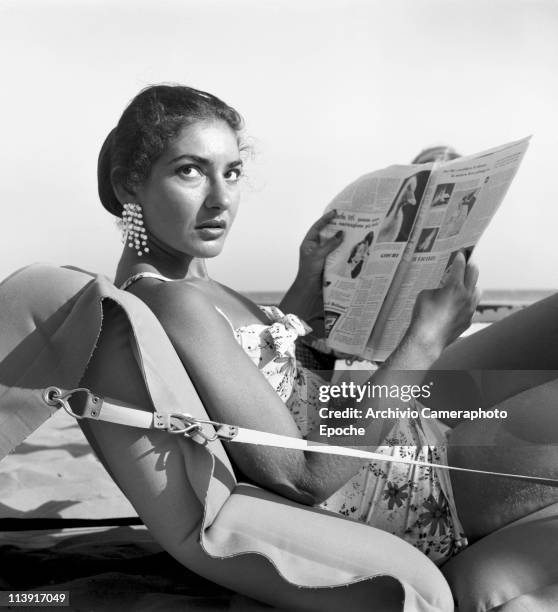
412, 502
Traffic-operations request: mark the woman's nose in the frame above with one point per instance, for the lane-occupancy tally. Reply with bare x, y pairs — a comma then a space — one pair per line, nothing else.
218, 195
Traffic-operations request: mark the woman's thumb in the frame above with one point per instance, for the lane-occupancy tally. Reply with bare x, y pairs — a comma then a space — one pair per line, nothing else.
332, 243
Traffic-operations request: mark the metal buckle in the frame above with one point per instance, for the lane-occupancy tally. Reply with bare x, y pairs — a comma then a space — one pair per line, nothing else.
190, 426
53, 396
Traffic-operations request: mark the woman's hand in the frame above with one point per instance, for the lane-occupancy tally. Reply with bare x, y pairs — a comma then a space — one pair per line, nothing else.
314, 250
441, 315
305, 297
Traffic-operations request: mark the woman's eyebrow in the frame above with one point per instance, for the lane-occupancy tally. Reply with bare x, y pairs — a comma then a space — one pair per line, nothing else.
203, 161
196, 158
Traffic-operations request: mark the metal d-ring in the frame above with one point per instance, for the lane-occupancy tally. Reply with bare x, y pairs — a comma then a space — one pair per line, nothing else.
53, 396
208, 438
192, 426
189, 424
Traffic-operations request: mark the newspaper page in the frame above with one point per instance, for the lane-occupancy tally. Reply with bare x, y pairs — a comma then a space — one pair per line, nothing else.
461, 198
377, 213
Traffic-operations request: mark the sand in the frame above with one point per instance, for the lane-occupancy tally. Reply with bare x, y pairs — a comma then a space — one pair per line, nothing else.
54, 475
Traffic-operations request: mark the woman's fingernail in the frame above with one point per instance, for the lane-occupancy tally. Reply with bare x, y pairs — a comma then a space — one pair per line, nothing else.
339, 234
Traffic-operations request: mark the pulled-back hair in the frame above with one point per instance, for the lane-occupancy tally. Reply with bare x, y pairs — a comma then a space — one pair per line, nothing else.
151, 120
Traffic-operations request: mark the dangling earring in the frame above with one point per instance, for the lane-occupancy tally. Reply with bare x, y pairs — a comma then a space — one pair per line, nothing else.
133, 230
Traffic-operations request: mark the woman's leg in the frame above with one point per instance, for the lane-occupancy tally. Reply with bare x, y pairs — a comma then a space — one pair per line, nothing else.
526, 442
504, 359
515, 366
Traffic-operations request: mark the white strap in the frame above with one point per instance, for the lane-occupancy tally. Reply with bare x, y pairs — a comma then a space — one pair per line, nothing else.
252, 436
136, 277
113, 411
226, 318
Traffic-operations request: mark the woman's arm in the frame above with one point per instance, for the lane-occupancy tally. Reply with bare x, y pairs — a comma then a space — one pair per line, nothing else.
234, 391
231, 387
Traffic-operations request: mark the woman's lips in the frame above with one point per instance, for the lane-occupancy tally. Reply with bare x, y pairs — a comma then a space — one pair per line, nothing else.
211, 229
212, 223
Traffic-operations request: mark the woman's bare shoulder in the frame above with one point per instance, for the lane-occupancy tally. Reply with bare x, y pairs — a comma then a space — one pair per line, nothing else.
183, 308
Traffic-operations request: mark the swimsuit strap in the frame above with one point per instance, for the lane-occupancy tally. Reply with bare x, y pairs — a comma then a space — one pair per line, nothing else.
226, 318
139, 275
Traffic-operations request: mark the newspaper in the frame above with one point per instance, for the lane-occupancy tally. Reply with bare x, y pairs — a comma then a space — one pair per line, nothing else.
403, 226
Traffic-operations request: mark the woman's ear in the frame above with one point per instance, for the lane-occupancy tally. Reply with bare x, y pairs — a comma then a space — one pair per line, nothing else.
123, 194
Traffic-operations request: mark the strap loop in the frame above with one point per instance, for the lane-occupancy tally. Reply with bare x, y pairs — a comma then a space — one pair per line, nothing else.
90, 405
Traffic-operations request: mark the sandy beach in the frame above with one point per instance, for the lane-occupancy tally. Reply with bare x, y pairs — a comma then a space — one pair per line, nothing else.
54, 475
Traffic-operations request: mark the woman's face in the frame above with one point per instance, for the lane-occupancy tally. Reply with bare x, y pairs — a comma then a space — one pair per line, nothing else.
191, 196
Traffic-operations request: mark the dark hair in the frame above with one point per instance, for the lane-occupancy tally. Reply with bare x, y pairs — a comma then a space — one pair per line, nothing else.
151, 120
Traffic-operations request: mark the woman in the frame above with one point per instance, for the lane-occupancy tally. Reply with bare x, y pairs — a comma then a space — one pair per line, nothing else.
171, 170
401, 215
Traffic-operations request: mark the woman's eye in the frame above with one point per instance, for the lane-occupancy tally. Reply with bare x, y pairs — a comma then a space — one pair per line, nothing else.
189, 171
233, 175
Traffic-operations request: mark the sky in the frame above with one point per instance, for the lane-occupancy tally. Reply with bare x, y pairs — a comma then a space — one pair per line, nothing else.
329, 90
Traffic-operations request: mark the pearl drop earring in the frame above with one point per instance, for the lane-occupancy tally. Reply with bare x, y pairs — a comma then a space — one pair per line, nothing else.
133, 230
